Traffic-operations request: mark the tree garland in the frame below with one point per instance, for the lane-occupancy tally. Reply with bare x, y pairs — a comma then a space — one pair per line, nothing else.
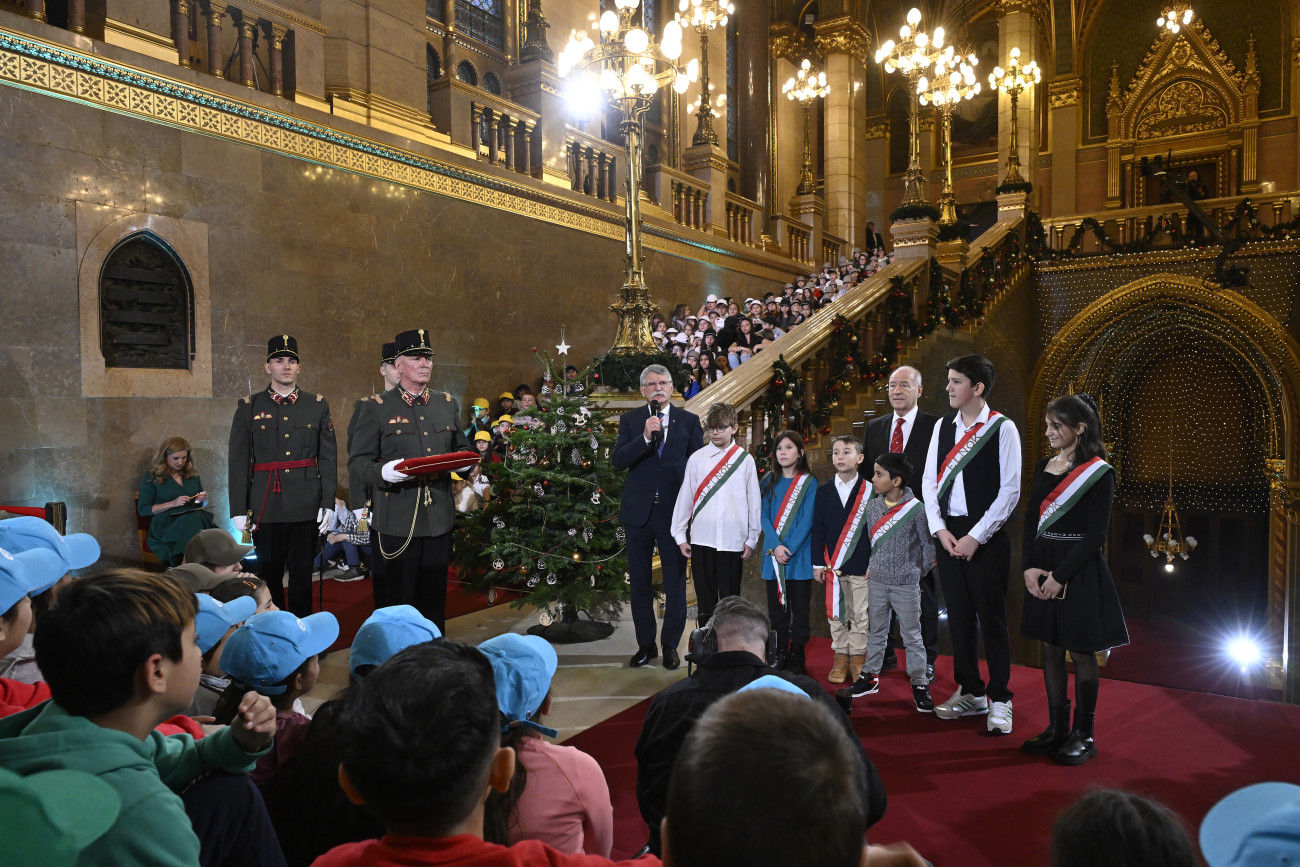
914, 212
958, 231
844, 346
784, 410
938, 303
617, 372
1013, 187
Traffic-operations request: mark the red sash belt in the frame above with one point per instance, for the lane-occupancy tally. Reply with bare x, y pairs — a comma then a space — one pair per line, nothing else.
273, 466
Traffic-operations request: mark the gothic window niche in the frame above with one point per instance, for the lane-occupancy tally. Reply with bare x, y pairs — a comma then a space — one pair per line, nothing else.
145, 304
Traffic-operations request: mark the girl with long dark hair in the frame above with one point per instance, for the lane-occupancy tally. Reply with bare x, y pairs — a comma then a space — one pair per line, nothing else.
1070, 599
787, 509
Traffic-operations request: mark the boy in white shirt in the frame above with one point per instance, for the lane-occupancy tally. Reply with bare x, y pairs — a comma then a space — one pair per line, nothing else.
716, 521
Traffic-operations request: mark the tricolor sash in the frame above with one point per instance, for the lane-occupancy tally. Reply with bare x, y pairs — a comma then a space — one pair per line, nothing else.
1069, 491
794, 497
729, 462
844, 548
894, 517
965, 449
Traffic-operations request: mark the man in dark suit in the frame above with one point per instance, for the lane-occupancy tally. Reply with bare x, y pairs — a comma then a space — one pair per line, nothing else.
874, 239
908, 429
653, 448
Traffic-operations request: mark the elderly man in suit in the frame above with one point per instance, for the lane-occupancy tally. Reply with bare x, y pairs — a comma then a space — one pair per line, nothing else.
653, 445
907, 429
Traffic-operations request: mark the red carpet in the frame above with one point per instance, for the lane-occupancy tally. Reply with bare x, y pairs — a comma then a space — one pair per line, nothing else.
963, 797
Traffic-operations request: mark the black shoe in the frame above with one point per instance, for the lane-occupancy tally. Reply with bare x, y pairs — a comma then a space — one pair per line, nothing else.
929, 673
644, 655
777, 660
921, 698
1052, 737
671, 660
890, 662
867, 684
1078, 747
794, 660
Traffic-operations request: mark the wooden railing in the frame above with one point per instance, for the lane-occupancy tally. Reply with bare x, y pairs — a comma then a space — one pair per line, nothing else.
807, 347
742, 213
593, 164
1135, 224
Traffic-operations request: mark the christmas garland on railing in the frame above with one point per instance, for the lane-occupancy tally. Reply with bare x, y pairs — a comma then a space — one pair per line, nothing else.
1013, 187
784, 410
917, 211
939, 302
622, 373
844, 346
1036, 234
958, 231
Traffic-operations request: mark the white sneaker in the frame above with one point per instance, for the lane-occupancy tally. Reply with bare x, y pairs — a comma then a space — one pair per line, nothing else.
999, 720
960, 704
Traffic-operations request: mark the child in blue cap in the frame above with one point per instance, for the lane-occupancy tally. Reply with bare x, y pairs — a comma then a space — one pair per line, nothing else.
277, 655
22, 575
386, 632
559, 794
215, 622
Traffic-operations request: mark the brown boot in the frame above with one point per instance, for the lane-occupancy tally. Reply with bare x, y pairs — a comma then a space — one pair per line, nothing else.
839, 669
855, 666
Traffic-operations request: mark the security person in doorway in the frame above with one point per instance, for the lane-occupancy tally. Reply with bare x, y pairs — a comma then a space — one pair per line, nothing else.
283, 474
412, 515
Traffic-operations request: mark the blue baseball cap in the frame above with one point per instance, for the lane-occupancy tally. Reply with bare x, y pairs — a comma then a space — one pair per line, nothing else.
523, 666
78, 550
26, 573
771, 681
273, 645
214, 618
50, 817
1258, 826
387, 632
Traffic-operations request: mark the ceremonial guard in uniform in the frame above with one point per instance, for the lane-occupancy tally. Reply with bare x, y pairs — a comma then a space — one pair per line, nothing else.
283, 474
359, 499
411, 514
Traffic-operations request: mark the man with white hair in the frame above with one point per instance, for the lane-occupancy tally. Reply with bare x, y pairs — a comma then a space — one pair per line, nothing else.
907, 429
653, 445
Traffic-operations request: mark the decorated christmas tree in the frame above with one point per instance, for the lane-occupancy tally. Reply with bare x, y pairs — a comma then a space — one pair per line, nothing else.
551, 529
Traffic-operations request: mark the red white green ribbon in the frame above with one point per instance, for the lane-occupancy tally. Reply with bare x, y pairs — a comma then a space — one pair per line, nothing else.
844, 547
1069, 491
966, 448
794, 497
726, 465
895, 517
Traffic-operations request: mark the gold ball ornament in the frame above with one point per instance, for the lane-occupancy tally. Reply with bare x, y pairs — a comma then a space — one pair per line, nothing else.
586, 465
789, 394
544, 463
523, 570
577, 556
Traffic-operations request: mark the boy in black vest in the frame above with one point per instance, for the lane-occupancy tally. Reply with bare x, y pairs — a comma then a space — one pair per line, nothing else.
972, 484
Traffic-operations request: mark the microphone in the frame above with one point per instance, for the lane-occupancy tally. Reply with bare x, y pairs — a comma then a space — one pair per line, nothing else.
658, 435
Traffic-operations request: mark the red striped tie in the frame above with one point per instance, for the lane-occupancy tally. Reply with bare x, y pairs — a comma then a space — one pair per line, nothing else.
896, 441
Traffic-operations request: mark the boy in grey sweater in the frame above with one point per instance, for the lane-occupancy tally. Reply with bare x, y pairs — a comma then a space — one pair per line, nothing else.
901, 552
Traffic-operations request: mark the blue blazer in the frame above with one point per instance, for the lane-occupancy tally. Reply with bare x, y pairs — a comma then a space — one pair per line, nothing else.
829, 518
799, 538
648, 471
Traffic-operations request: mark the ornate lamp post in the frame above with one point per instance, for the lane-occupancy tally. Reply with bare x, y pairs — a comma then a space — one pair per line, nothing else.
703, 16
701, 102
954, 80
805, 88
915, 53
626, 69
1013, 81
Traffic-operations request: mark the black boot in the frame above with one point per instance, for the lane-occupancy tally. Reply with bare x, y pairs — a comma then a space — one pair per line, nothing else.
778, 659
794, 660
1058, 729
1078, 747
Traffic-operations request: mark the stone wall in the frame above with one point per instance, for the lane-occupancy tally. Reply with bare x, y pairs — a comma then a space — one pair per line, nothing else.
340, 260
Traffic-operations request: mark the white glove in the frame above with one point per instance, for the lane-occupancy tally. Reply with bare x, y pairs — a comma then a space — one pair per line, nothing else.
392, 475
324, 517
240, 522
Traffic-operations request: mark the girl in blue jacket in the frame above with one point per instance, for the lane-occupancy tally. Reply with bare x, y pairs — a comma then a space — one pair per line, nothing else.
788, 495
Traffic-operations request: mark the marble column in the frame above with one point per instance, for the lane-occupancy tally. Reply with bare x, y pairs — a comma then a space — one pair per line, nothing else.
753, 77
844, 43
1063, 130
1018, 27
181, 31
278, 34
36, 9
216, 9
247, 24
77, 16
877, 135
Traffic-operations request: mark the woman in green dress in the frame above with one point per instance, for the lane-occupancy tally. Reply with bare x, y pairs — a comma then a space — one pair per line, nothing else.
172, 494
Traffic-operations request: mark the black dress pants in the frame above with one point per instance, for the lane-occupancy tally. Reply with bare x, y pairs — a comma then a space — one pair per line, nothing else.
229, 817
976, 593
716, 575
291, 544
791, 621
641, 543
417, 576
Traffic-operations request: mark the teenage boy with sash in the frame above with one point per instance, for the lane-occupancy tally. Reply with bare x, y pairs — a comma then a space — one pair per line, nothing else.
971, 484
716, 520
901, 552
840, 556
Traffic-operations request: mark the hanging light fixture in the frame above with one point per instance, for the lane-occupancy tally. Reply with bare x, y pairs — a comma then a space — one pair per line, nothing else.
1175, 16
1169, 539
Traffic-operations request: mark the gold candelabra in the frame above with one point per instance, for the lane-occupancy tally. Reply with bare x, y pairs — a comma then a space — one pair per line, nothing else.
1013, 81
953, 81
806, 87
915, 53
626, 69
702, 16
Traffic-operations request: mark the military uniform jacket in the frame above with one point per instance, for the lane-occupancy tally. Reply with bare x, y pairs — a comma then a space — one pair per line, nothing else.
386, 428
264, 432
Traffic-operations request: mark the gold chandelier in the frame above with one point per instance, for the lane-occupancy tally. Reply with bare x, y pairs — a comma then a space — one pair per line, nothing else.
1169, 539
1175, 16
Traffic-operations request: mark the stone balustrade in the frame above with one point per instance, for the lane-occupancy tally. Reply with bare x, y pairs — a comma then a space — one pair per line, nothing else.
499, 131
794, 238
593, 164
833, 248
742, 213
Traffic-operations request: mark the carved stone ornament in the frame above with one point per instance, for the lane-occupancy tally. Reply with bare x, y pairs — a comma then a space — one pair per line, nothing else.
787, 42
877, 126
843, 35
1039, 9
1064, 93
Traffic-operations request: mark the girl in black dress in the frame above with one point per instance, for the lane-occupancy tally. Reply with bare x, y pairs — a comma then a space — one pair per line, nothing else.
1070, 598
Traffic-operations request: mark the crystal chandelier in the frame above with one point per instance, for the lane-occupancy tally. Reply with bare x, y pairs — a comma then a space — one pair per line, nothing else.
1175, 17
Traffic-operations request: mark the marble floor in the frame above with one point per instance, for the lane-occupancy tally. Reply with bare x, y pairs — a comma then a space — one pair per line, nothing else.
592, 683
